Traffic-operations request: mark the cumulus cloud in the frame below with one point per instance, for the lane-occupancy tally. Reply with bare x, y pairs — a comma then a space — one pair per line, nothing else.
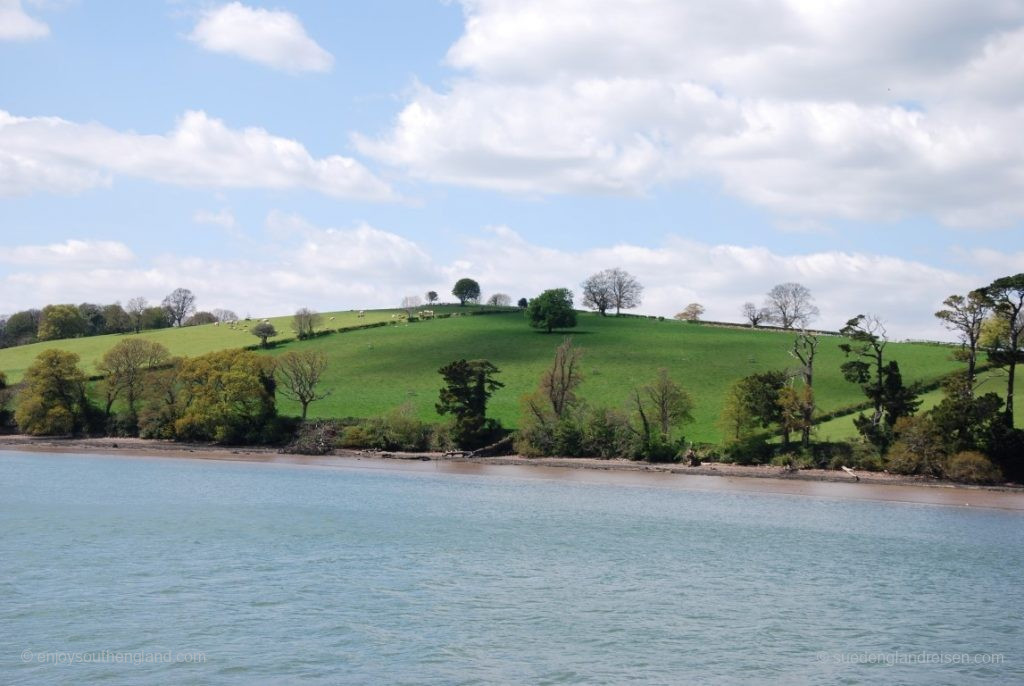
16, 25
270, 37
361, 266
53, 154
814, 110
70, 253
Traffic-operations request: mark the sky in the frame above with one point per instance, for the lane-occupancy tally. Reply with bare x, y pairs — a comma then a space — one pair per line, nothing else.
271, 156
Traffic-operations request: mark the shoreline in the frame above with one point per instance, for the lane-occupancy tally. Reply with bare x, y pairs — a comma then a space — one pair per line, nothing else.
708, 477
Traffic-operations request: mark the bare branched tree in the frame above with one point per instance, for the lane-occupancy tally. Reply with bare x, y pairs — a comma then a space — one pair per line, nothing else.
299, 373
791, 305
756, 315
304, 322
560, 381
965, 315
135, 308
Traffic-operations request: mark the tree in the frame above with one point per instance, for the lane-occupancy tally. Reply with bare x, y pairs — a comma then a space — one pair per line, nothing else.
200, 318
431, 297
791, 305
126, 367
116, 319
22, 327
5, 398
560, 381
299, 374
225, 315
1006, 296
691, 313
466, 290
800, 406
881, 382
551, 310
263, 331
225, 396
597, 292
92, 317
753, 403
155, 318
60, 321
755, 315
966, 422
965, 315
468, 386
304, 323
626, 290
499, 300
671, 405
52, 400
180, 303
523, 302
135, 308
410, 303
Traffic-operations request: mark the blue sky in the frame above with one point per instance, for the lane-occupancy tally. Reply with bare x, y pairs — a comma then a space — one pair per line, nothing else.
270, 156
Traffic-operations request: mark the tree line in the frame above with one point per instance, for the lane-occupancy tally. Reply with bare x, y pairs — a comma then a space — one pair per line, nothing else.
60, 321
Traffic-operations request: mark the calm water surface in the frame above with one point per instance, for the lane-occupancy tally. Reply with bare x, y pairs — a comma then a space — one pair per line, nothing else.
280, 574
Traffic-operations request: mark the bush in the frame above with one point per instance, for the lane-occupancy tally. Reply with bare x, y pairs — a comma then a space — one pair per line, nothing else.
972, 467
398, 430
606, 434
794, 461
354, 437
861, 455
918, 449
749, 450
657, 449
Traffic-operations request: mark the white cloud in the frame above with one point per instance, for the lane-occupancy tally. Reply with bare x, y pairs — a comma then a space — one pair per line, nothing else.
70, 253
16, 25
815, 110
53, 154
271, 37
363, 266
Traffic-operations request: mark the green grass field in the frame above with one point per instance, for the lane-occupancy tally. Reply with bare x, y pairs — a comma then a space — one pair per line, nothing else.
186, 342
842, 428
375, 370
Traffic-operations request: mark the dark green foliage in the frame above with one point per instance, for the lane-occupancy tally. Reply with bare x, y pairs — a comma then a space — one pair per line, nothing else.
154, 318
21, 328
966, 422
466, 290
551, 310
468, 385
748, 450
1006, 296
523, 303
263, 331
6, 393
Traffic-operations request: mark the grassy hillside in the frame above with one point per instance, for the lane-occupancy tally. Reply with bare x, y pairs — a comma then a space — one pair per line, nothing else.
842, 428
372, 371
188, 341
375, 370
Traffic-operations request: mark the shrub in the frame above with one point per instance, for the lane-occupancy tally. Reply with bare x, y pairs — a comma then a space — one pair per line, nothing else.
861, 455
918, 449
354, 437
794, 461
972, 467
750, 450
398, 430
606, 434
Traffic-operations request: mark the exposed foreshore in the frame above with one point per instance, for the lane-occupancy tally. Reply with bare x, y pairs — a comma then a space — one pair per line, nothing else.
710, 476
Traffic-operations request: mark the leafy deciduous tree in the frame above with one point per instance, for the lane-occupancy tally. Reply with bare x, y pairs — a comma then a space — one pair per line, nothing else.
61, 321
431, 297
551, 310
466, 290
263, 331
691, 313
126, 367
52, 400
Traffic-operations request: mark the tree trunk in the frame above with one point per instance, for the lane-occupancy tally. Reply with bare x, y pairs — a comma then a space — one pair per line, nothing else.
305, 405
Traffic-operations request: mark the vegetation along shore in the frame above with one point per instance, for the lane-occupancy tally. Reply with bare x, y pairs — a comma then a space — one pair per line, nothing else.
539, 379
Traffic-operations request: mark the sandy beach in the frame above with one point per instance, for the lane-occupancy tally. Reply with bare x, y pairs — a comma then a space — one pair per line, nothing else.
708, 477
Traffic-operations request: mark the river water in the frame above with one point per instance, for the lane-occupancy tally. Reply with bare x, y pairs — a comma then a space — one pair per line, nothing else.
158, 571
